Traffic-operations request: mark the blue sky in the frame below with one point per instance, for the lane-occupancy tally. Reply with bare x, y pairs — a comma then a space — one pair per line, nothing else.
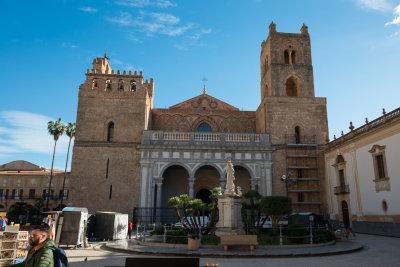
46, 47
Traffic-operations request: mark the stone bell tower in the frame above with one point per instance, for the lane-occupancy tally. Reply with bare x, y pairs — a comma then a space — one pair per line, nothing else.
295, 119
114, 109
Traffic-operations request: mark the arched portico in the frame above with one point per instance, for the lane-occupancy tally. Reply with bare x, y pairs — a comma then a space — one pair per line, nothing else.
174, 183
206, 177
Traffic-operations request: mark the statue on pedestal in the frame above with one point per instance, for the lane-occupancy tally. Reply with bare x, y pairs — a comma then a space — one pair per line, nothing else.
230, 177
230, 205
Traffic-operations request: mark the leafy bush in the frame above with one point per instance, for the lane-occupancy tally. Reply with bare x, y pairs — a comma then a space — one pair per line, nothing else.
210, 240
176, 236
322, 236
265, 239
157, 232
276, 206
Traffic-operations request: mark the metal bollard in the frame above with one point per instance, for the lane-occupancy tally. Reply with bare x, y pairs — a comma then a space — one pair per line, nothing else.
311, 237
165, 233
280, 235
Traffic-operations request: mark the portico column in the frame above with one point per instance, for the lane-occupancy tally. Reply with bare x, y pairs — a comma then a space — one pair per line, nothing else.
159, 194
268, 182
191, 189
158, 203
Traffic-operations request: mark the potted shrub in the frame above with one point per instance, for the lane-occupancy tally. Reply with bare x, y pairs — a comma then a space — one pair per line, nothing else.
194, 219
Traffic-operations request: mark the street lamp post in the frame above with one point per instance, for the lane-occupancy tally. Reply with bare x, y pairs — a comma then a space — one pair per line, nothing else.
288, 181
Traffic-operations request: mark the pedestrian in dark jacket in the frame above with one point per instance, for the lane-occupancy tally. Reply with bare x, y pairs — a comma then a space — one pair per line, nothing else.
40, 254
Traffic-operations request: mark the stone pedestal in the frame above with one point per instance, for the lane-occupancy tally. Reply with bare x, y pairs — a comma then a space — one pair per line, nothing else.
230, 218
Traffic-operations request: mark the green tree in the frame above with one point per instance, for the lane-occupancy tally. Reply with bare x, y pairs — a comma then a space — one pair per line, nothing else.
22, 212
251, 210
194, 212
70, 132
56, 129
275, 207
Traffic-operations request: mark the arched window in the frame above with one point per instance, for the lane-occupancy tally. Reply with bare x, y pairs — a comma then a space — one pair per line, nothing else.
121, 84
95, 84
294, 61
204, 127
292, 87
287, 57
108, 85
339, 159
133, 86
110, 132
297, 134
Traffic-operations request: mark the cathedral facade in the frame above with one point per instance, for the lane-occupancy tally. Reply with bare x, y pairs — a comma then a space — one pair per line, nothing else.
129, 155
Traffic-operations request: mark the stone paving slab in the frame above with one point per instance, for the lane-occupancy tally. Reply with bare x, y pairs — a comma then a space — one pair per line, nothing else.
131, 246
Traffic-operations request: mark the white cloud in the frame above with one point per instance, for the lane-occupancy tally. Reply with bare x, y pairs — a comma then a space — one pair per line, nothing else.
394, 34
124, 19
396, 19
23, 132
197, 35
379, 5
68, 45
88, 9
146, 3
165, 18
151, 23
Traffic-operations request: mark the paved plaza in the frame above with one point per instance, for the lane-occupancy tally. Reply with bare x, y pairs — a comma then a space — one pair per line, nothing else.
377, 251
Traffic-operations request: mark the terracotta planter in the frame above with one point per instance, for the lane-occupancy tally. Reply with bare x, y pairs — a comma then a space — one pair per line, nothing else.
193, 243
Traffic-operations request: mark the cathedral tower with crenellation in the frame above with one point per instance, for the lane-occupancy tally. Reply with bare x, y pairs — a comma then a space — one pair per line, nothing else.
114, 109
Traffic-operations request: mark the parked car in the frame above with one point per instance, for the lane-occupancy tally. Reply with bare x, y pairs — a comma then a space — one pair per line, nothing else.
203, 221
267, 223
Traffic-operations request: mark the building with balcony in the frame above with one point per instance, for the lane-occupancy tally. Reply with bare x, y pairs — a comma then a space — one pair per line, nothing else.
22, 181
362, 170
129, 155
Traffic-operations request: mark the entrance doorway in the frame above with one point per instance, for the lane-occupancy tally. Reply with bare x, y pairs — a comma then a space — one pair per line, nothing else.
345, 212
204, 195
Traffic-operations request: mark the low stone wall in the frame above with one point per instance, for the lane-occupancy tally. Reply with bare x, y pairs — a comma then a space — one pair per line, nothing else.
377, 228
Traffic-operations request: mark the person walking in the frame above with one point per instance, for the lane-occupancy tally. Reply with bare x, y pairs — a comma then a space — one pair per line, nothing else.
40, 254
130, 228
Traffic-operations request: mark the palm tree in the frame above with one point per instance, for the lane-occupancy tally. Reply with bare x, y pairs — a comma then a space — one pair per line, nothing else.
70, 131
56, 129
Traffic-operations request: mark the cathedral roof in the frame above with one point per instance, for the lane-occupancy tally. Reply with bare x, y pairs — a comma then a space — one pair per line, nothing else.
204, 102
21, 165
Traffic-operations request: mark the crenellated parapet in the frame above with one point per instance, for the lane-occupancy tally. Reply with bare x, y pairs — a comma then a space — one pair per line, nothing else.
103, 78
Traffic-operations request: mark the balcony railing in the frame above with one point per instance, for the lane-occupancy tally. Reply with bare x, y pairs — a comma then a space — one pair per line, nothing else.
192, 138
341, 189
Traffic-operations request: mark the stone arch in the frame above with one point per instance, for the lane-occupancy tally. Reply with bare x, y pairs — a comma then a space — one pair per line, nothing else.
292, 52
175, 182
292, 86
339, 159
218, 168
206, 177
165, 167
245, 166
95, 84
210, 121
108, 85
